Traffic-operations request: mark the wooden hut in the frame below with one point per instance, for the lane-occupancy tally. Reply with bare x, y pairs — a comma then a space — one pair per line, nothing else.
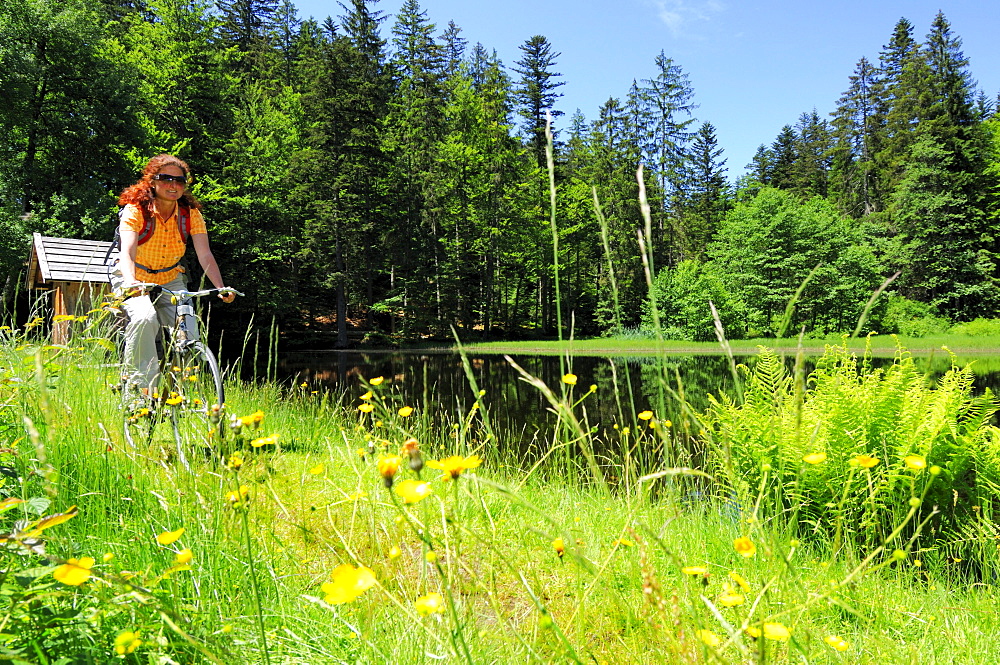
75, 272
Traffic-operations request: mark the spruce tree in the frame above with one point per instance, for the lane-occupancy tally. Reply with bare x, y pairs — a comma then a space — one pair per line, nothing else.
535, 93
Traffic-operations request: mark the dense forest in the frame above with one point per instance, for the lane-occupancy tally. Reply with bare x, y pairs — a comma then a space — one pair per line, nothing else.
388, 175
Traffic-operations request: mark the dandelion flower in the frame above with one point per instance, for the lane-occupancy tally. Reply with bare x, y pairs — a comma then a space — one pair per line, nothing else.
377, 381
366, 408
432, 603
175, 400
237, 497
865, 461
455, 465
645, 415
168, 537
569, 379
413, 491
731, 599
347, 583
405, 412
777, 632
709, 638
254, 419
127, 642
740, 580
915, 462
388, 465
184, 557
694, 570
745, 546
814, 458
265, 441
837, 642
75, 571
559, 546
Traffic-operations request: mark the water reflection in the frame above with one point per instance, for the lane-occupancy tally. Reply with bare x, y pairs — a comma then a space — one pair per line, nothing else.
437, 384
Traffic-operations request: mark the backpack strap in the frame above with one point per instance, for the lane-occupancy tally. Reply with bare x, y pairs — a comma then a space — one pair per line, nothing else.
149, 226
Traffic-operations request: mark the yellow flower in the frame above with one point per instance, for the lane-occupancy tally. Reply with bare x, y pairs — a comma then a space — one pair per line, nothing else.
377, 381
75, 571
915, 462
236, 498
709, 638
752, 631
864, 461
745, 546
388, 465
234, 462
347, 583
317, 470
127, 642
174, 400
265, 441
405, 411
430, 604
367, 395
694, 570
777, 632
740, 580
184, 556
625, 542
253, 419
108, 556
837, 642
559, 546
395, 553
645, 415
731, 599
814, 458
455, 465
413, 491
569, 379
366, 408
168, 537
431, 556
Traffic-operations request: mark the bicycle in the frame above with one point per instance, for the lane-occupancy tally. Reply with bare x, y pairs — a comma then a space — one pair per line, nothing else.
190, 392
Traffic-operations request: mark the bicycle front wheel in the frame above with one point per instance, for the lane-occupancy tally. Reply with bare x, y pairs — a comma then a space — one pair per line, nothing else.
196, 399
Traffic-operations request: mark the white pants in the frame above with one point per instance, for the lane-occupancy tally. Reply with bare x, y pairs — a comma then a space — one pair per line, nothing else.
141, 366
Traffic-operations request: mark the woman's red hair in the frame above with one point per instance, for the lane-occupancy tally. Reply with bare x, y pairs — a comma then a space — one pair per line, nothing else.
141, 193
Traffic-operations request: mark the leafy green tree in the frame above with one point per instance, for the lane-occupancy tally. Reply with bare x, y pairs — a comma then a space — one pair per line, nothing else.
68, 92
767, 246
682, 295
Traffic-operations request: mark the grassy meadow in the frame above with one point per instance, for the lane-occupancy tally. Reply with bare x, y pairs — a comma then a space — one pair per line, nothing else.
846, 516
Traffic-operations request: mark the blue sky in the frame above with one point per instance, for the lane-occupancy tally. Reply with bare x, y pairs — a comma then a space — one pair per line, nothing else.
754, 66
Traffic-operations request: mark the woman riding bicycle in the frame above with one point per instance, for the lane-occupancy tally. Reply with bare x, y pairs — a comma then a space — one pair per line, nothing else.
158, 217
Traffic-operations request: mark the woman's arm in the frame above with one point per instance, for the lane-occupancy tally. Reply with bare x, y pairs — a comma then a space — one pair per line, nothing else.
126, 261
208, 264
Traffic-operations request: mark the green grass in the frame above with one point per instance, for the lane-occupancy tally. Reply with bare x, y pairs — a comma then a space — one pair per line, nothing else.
315, 502
881, 345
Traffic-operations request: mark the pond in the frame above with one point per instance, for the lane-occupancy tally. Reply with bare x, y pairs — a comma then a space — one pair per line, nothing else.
437, 385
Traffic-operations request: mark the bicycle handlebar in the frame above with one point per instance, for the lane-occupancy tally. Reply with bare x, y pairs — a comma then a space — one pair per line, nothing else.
155, 289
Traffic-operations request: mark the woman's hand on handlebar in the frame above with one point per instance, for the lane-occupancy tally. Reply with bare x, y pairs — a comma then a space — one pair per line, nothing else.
227, 295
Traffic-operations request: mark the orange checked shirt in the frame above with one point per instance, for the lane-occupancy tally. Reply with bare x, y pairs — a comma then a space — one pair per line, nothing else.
164, 247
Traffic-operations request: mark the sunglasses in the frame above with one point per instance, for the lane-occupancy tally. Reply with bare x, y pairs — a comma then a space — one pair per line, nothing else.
166, 177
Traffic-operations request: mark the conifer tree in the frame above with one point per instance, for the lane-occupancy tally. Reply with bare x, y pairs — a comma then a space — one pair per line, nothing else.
535, 93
